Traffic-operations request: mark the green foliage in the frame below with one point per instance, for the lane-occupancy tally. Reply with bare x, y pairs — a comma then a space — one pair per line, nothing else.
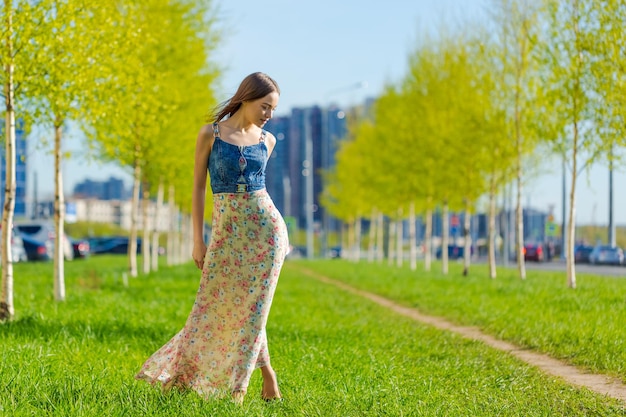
61, 46
26, 19
351, 176
93, 229
136, 75
593, 234
335, 354
608, 67
567, 80
478, 109
155, 87
436, 137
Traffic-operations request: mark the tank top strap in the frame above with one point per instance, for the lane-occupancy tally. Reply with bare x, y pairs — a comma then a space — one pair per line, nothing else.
263, 134
216, 130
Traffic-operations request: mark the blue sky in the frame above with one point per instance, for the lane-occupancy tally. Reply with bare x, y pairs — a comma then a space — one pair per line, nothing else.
323, 52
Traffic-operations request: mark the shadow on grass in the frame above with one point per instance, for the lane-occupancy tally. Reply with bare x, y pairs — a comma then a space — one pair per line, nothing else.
32, 328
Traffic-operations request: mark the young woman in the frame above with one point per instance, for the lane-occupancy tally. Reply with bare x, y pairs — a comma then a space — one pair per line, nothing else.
224, 338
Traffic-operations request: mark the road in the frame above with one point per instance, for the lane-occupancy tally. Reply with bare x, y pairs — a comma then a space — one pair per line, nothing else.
606, 270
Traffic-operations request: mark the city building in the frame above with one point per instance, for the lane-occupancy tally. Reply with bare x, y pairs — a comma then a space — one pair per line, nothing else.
277, 180
111, 189
307, 141
118, 212
20, 171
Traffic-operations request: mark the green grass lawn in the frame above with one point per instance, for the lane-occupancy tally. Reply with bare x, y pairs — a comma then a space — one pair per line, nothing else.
335, 354
585, 326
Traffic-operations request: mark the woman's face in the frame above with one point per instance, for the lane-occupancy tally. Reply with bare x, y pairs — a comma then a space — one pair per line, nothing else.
261, 110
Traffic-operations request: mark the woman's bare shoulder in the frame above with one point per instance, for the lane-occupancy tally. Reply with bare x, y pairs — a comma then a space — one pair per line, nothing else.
205, 139
206, 132
270, 138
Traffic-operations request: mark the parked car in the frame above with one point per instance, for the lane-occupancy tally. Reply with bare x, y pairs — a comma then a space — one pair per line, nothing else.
454, 252
111, 245
334, 252
36, 250
606, 255
581, 254
81, 248
43, 231
534, 252
18, 254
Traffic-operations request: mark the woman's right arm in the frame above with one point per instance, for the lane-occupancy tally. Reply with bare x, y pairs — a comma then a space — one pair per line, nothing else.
204, 143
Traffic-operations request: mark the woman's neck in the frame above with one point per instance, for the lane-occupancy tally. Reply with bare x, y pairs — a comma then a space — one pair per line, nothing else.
239, 123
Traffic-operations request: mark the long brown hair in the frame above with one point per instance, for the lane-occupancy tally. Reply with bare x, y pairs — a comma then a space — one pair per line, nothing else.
253, 87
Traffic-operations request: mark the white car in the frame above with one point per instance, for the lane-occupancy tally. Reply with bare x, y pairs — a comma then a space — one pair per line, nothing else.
43, 231
18, 253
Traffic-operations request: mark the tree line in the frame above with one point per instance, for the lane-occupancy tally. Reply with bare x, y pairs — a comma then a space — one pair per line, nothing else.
135, 75
477, 110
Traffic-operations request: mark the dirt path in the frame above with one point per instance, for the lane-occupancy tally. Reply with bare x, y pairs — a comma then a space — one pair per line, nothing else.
599, 383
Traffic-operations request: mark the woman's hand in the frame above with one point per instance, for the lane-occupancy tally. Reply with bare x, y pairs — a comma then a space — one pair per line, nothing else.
199, 250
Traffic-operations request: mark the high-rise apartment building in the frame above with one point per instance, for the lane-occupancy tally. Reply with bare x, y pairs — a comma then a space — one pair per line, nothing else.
20, 171
292, 162
111, 189
277, 178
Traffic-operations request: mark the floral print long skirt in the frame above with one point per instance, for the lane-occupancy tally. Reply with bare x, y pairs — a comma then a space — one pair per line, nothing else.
224, 338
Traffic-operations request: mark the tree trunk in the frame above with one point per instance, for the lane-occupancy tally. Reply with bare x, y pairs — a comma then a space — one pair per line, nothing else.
399, 232
491, 245
467, 225
380, 238
145, 225
171, 231
155, 227
181, 238
519, 225
519, 214
357, 239
341, 239
188, 238
350, 235
372, 238
571, 227
412, 238
7, 309
185, 236
59, 216
390, 239
428, 238
134, 208
445, 229
177, 228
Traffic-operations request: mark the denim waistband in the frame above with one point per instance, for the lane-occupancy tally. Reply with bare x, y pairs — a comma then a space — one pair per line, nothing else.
236, 188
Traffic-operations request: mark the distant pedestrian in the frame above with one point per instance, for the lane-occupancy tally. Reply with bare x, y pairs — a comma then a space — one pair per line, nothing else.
224, 338
550, 251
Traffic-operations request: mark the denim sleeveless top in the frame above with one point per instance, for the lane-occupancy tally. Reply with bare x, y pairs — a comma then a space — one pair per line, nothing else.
237, 168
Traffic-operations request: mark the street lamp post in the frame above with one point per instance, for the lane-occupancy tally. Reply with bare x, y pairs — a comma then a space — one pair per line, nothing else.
307, 172
328, 139
563, 208
612, 237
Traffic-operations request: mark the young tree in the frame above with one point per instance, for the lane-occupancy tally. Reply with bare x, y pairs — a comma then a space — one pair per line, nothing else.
7, 58
516, 26
67, 42
568, 87
488, 121
608, 66
21, 22
158, 69
422, 89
